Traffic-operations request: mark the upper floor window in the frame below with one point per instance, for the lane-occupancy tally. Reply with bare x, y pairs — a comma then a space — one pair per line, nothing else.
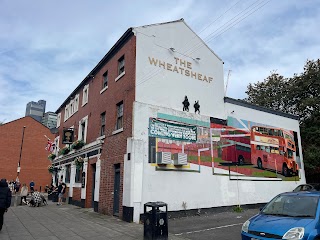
103, 123
121, 65
71, 108
119, 123
105, 80
58, 120
85, 94
82, 130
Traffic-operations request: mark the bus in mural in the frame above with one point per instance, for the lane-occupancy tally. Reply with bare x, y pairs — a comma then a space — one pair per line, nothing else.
235, 144
274, 149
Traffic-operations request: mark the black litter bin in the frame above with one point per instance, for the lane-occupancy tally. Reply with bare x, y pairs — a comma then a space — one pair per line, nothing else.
155, 220
55, 197
50, 195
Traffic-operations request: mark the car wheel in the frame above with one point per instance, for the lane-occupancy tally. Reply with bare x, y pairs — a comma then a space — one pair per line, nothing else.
285, 171
240, 160
260, 164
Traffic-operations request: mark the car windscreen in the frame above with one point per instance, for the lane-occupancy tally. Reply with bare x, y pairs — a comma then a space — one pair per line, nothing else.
292, 206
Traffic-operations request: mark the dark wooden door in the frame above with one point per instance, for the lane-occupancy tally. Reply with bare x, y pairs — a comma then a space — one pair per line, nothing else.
116, 190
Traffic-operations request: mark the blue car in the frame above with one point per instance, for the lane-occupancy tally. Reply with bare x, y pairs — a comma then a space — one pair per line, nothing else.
294, 215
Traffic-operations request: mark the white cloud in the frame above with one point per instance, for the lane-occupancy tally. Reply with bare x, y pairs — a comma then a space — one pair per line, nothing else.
47, 48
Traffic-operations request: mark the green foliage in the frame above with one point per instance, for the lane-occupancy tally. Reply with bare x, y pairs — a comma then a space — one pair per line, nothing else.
51, 156
64, 151
237, 208
298, 95
77, 144
51, 169
78, 162
271, 93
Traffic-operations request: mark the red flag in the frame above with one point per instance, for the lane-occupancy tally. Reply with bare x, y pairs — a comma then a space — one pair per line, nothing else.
50, 146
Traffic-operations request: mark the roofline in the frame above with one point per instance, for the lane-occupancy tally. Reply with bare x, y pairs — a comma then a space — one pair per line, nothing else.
162, 23
202, 40
15, 120
243, 103
115, 48
183, 21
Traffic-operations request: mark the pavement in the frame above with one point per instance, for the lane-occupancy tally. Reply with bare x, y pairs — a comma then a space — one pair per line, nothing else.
69, 222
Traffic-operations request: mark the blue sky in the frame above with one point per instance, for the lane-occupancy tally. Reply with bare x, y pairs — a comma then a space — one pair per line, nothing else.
48, 47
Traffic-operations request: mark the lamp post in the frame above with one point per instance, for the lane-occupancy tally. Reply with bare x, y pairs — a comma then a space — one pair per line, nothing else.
18, 169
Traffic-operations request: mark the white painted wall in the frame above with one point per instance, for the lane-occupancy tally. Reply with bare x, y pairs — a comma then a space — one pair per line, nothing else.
199, 190
85, 170
97, 181
162, 87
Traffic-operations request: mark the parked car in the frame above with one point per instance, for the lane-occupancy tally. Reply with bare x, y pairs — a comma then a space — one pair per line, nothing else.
307, 187
292, 215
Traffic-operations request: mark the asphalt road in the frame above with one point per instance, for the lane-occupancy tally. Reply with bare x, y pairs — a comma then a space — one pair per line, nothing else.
226, 225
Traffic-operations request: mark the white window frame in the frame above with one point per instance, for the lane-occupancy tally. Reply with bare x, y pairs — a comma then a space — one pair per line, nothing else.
76, 103
58, 119
83, 120
71, 108
103, 123
119, 116
85, 95
121, 59
120, 74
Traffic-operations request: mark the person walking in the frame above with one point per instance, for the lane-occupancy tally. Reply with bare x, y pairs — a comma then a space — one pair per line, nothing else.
24, 194
61, 191
5, 199
32, 186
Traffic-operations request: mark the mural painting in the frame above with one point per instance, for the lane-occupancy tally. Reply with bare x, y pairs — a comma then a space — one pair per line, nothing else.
237, 148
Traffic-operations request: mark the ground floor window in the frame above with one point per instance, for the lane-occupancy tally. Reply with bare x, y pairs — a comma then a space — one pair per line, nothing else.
78, 175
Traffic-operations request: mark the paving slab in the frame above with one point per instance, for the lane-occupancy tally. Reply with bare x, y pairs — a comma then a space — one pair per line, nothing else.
70, 222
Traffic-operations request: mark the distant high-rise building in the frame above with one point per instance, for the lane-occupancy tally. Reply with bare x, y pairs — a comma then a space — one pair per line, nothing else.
36, 110
49, 119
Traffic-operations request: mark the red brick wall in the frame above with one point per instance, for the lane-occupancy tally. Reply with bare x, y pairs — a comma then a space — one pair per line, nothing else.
114, 145
76, 194
34, 158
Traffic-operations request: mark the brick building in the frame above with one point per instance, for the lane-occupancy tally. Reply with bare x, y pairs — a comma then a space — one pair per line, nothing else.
142, 144
34, 158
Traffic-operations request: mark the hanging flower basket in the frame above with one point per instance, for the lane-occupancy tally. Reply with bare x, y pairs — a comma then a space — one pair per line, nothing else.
78, 162
77, 144
64, 151
51, 156
51, 169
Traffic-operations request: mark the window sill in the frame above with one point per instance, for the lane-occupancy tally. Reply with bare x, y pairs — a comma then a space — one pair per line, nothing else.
104, 89
101, 137
83, 104
77, 185
117, 131
120, 76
